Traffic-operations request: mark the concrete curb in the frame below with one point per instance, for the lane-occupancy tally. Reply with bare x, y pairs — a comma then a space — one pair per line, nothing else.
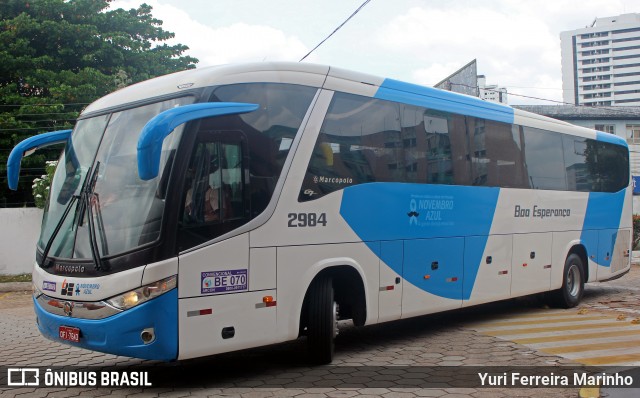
14, 286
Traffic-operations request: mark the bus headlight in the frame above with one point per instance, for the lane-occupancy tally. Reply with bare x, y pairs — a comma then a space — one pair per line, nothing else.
35, 291
142, 294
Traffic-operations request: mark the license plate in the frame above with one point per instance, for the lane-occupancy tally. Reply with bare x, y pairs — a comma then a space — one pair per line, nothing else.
69, 333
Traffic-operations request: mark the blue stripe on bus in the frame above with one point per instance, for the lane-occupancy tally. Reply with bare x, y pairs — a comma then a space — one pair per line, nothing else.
610, 138
416, 211
601, 224
432, 98
120, 334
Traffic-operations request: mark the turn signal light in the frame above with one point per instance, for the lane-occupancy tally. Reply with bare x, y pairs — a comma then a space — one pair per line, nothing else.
269, 301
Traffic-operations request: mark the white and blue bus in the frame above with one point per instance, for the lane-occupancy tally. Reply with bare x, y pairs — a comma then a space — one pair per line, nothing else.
230, 207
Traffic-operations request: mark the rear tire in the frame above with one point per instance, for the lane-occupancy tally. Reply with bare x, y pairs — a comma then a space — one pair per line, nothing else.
322, 321
570, 294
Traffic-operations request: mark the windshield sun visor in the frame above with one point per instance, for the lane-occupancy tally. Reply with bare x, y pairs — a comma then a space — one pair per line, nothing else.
158, 128
28, 146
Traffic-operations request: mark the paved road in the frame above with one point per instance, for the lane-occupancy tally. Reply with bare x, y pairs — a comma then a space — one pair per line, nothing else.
516, 333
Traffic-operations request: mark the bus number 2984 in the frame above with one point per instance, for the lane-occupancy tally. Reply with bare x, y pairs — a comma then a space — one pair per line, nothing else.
307, 220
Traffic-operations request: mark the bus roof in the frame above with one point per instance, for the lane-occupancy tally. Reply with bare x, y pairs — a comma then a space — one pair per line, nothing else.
338, 79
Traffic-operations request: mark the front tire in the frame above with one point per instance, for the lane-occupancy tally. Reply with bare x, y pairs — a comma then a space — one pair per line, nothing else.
572, 288
322, 321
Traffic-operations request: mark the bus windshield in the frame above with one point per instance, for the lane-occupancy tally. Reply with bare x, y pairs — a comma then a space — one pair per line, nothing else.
125, 210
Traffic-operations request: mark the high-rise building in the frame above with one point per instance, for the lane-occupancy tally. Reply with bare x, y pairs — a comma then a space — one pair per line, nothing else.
491, 92
601, 62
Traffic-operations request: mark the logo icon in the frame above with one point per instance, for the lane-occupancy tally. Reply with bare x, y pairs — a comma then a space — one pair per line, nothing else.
309, 192
67, 288
413, 214
23, 377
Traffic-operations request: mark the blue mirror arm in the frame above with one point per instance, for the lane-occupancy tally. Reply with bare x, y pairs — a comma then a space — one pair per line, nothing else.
158, 128
26, 147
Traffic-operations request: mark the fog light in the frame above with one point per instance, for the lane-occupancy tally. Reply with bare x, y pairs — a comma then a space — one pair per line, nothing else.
148, 336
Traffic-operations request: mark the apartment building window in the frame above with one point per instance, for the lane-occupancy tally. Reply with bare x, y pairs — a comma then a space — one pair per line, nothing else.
598, 69
625, 66
595, 34
596, 86
625, 39
597, 95
596, 78
607, 128
595, 52
633, 133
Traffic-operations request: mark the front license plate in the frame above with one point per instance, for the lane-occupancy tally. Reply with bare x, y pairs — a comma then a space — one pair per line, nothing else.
69, 333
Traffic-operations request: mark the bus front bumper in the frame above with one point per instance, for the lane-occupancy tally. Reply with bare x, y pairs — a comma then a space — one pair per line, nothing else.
121, 334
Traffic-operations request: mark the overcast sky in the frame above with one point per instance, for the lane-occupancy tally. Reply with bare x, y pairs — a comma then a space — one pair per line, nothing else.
516, 42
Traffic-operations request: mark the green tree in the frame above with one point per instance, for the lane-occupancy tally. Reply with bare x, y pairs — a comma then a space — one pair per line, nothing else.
57, 56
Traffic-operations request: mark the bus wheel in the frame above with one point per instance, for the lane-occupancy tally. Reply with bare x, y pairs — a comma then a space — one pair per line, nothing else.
572, 288
322, 322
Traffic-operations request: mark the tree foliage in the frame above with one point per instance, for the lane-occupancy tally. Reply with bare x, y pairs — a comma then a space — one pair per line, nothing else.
57, 56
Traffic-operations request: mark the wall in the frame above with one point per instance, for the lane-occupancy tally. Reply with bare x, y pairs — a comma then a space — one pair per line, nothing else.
19, 232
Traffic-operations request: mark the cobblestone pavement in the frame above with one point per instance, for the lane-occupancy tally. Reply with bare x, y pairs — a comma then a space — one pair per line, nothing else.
428, 343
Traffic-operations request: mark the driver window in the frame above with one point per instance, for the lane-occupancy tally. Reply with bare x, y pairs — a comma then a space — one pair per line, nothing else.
214, 194
202, 201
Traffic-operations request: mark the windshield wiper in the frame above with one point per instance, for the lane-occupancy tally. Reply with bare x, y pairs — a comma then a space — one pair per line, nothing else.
56, 230
47, 248
88, 197
87, 200
103, 235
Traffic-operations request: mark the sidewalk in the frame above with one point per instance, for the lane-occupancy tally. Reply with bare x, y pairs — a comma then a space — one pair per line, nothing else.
14, 286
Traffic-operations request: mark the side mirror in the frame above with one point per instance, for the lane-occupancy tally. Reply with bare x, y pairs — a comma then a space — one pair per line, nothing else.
158, 128
27, 147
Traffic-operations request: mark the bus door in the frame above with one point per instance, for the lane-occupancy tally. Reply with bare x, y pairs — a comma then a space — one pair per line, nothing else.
214, 279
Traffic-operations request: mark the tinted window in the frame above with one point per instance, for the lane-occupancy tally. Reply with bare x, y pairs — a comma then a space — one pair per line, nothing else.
269, 131
438, 146
579, 159
613, 166
360, 141
367, 140
497, 156
237, 159
544, 159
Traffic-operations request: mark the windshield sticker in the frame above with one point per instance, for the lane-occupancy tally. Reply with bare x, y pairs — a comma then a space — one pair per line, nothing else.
86, 288
223, 281
67, 288
50, 286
